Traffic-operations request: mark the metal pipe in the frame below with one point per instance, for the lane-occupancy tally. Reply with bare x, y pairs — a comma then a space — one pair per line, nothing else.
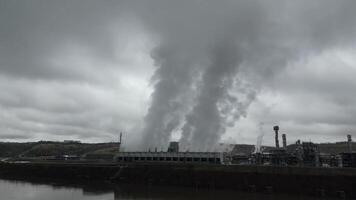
120, 140
284, 138
349, 143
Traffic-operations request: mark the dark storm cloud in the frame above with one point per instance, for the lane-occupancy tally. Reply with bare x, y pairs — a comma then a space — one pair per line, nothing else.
79, 68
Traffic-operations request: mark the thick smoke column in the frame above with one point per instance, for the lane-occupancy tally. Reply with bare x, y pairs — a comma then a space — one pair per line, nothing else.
203, 126
208, 119
168, 98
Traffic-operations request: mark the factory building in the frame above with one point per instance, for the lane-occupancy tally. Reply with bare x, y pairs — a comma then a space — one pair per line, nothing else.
172, 155
348, 159
177, 157
173, 147
278, 157
302, 154
310, 154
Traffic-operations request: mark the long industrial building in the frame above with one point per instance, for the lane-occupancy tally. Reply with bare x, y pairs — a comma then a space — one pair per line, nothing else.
172, 155
182, 157
302, 154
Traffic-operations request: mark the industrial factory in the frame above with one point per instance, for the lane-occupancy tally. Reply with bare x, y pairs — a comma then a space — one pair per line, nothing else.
172, 155
299, 167
300, 154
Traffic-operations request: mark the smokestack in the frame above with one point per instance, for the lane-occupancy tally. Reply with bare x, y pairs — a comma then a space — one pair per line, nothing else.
173, 147
120, 140
276, 129
284, 138
349, 143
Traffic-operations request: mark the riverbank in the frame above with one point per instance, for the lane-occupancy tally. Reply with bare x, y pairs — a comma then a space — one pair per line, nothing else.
87, 190
310, 181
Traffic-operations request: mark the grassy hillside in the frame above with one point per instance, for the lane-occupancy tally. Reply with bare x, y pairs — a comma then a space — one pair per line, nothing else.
55, 149
335, 147
14, 149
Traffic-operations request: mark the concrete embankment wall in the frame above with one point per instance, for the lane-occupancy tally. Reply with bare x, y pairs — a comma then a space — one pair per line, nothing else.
311, 181
322, 181
58, 170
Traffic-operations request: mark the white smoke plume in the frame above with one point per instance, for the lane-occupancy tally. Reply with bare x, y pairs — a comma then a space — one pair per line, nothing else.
259, 138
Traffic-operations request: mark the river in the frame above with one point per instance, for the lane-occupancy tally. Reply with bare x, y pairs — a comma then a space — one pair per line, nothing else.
45, 190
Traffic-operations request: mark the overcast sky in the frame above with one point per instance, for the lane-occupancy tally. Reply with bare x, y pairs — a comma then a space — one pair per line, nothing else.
197, 71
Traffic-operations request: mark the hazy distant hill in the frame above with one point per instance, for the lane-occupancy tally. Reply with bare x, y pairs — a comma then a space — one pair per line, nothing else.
247, 148
14, 149
55, 148
335, 147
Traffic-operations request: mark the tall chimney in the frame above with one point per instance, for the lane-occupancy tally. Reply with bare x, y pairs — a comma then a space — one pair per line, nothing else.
276, 129
349, 143
120, 141
284, 137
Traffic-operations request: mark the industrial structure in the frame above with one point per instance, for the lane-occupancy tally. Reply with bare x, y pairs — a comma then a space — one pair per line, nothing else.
276, 129
174, 157
293, 168
301, 154
120, 141
171, 155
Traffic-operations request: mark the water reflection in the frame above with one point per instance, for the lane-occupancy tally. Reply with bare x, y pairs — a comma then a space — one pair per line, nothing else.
18, 190
38, 190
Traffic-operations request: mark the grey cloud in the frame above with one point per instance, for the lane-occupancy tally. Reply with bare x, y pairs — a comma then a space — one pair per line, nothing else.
67, 70
67, 67
34, 30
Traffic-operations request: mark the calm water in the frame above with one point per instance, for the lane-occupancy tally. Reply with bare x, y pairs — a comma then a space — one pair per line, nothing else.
20, 190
